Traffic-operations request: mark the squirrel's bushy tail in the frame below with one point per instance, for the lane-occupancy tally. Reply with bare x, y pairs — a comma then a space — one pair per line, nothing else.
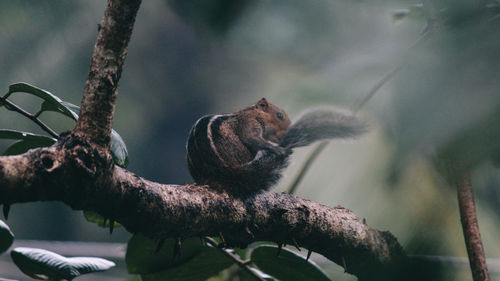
320, 124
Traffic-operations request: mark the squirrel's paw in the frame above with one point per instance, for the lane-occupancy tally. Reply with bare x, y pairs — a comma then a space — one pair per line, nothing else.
282, 151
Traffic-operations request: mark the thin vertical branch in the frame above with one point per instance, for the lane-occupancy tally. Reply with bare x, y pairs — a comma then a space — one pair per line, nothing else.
375, 88
298, 178
355, 108
470, 226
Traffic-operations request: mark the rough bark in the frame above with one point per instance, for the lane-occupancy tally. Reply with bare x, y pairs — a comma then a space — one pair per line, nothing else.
470, 226
72, 172
101, 87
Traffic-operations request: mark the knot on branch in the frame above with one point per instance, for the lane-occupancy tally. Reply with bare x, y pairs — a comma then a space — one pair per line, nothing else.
84, 166
91, 159
48, 162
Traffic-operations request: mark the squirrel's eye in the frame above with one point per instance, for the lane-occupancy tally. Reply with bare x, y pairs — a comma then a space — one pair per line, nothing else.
280, 116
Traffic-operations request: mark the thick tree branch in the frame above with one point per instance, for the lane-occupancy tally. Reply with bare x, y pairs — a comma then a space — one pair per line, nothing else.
71, 172
110, 50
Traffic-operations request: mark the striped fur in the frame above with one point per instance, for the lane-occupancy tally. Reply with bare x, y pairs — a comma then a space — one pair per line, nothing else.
234, 151
209, 151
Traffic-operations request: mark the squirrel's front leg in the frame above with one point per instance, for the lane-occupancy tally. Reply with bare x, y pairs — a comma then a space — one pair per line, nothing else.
252, 137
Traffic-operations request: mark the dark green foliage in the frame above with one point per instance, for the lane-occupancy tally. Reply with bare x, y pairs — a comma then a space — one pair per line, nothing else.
6, 237
55, 104
26, 141
118, 150
287, 265
141, 257
45, 265
195, 262
205, 264
51, 102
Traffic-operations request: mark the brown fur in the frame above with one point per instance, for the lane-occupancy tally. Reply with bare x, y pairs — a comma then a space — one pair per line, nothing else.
244, 152
223, 150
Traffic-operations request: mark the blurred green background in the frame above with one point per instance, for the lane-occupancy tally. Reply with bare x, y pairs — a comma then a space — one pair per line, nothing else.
190, 58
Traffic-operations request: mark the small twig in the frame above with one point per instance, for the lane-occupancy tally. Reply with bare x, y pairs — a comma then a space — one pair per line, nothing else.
13, 107
357, 106
177, 248
344, 264
375, 88
296, 244
309, 252
242, 264
298, 178
223, 241
470, 226
159, 245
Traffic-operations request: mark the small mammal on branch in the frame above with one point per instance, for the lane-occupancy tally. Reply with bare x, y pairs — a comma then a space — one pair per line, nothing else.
245, 151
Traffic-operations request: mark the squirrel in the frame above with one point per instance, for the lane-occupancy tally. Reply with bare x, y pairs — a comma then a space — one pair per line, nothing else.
244, 152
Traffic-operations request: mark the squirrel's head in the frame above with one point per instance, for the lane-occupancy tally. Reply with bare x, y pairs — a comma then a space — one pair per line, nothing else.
274, 120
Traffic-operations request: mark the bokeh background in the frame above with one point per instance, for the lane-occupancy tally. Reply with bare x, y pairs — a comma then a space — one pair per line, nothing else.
187, 59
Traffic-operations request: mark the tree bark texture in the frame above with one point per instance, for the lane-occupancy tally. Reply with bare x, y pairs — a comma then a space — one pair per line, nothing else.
73, 171
101, 87
470, 226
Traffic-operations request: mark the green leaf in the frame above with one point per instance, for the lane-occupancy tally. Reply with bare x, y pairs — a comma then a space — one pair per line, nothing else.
42, 264
6, 237
48, 106
19, 135
118, 150
86, 265
202, 266
55, 104
50, 100
98, 219
22, 146
27, 141
141, 257
287, 266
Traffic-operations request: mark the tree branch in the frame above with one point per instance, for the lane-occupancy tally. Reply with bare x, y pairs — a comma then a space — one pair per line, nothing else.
110, 50
14, 107
78, 170
71, 172
305, 167
470, 226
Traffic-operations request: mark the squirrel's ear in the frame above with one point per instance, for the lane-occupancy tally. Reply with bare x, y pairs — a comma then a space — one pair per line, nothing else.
263, 104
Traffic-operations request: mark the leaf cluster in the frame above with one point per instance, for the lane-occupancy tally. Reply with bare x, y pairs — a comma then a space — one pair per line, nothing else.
200, 261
